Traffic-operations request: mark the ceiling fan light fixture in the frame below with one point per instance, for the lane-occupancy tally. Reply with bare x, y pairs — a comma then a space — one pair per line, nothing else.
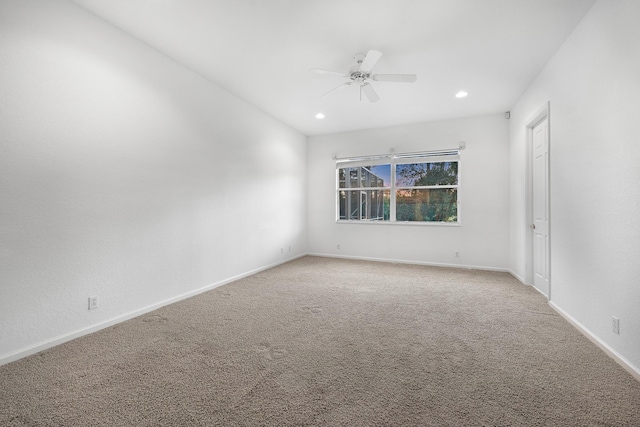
361, 74
461, 94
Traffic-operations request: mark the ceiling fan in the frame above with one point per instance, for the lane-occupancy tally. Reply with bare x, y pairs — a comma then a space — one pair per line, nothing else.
360, 74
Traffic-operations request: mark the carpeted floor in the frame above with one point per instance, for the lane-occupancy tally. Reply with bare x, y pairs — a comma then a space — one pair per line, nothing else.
322, 341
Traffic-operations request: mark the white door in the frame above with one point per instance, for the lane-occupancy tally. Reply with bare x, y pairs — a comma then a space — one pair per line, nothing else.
540, 226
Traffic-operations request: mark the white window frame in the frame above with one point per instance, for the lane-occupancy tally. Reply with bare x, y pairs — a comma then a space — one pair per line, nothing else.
359, 190
393, 160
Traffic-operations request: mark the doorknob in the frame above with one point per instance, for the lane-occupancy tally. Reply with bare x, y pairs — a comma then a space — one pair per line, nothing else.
532, 226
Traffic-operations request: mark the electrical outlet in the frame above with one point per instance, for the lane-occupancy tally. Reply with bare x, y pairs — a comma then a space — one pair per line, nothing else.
338, 246
281, 250
615, 325
457, 254
93, 303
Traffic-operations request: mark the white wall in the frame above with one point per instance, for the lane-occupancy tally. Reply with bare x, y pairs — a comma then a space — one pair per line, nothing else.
593, 86
482, 239
126, 176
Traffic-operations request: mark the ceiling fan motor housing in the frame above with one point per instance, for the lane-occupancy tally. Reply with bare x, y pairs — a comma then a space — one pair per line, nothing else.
355, 73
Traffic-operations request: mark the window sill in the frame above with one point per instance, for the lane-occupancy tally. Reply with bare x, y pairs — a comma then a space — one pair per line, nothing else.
402, 223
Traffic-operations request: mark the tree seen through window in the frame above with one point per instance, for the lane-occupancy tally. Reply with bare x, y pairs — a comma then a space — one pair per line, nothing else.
420, 191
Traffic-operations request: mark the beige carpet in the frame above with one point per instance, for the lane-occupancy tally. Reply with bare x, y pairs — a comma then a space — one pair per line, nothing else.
331, 342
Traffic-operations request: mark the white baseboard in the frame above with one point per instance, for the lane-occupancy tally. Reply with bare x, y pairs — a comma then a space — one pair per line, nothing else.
540, 292
518, 277
36, 348
402, 261
628, 366
521, 280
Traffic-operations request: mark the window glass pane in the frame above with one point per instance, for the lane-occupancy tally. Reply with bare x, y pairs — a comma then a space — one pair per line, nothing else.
419, 174
365, 176
427, 205
379, 175
353, 177
370, 205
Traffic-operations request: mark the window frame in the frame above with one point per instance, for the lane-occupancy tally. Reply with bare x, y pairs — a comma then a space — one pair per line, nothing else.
360, 191
393, 160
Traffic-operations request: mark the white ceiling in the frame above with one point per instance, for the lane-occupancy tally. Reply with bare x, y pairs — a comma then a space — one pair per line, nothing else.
262, 50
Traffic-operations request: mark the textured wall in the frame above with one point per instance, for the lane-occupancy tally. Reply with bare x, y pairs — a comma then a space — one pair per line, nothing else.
592, 85
126, 176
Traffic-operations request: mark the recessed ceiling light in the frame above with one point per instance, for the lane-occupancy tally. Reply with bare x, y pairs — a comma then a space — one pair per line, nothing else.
319, 116
461, 94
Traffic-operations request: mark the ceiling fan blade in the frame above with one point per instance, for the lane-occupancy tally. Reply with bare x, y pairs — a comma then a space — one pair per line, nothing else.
408, 78
343, 85
321, 71
369, 92
370, 60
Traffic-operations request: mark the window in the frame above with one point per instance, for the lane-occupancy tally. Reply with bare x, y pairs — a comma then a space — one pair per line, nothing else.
414, 187
364, 192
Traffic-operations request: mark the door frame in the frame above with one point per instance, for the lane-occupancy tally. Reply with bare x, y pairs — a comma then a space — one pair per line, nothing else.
541, 114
